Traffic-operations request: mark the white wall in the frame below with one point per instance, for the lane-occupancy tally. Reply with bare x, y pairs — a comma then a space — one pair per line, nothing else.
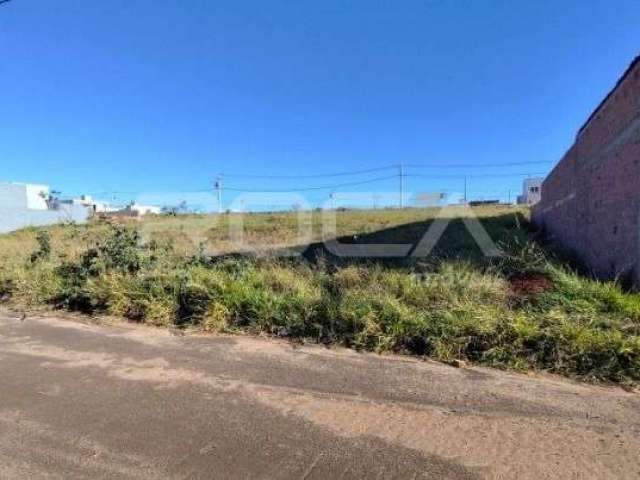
13, 195
15, 211
14, 219
37, 196
145, 209
19, 195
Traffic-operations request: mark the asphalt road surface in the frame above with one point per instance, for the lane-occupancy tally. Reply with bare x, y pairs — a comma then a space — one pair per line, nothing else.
82, 400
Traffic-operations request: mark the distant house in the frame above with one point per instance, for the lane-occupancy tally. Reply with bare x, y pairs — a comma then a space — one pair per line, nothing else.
145, 209
95, 206
22, 195
531, 191
24, 205
139, 210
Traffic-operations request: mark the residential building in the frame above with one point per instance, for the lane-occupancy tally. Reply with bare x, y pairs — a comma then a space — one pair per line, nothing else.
140, 210
95, 206
24, 205
531, 191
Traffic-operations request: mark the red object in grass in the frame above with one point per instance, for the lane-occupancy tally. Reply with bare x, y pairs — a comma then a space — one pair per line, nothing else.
530, 283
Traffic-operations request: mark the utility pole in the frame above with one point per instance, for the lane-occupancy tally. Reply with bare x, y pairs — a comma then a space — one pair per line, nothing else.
218, 186
376, 197
333, 200
465, 189
401, 185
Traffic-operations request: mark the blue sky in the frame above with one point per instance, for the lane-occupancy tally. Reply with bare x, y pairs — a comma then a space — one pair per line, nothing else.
155, 96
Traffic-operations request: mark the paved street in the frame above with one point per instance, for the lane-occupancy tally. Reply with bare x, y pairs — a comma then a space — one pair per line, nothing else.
82, 400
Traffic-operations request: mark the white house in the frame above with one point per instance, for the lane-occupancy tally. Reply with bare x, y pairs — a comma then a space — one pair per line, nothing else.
531, 191
24, 205
95, 206
22, 195
141, 210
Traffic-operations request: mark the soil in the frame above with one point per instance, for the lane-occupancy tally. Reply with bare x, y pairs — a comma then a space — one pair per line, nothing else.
527, 284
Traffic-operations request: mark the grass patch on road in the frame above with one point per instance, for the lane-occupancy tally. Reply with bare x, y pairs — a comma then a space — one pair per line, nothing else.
524, 310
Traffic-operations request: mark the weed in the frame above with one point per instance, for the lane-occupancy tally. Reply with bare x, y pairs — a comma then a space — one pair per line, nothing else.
44, 247
193, 304
7, 286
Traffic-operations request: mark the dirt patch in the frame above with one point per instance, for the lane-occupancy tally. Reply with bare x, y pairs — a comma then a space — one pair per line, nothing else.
527, 284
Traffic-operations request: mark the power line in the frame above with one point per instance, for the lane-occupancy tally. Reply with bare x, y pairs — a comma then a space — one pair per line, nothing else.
324, 187
402, 176
388, 167
317, 175
307, 189
479, 175
483, 165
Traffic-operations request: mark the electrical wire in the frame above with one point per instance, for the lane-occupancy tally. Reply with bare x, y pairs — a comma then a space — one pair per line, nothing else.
480, 175
232, 188
379, 169
485, 165
317, 175
307, 189
326, 187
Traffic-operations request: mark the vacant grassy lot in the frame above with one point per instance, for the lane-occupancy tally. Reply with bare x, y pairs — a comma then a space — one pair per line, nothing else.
521, 310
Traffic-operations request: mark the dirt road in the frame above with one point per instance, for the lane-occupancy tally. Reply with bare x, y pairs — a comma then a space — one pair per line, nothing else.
80, 400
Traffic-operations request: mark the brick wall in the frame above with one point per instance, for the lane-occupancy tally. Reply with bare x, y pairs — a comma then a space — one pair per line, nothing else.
591, 200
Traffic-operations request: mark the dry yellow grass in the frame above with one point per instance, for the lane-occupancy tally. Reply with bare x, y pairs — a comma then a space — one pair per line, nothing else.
261, 230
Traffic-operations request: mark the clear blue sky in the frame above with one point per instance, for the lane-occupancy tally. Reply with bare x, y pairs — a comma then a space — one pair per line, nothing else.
162, 95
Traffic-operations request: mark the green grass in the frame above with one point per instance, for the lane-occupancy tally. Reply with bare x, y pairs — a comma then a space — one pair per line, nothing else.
454, 304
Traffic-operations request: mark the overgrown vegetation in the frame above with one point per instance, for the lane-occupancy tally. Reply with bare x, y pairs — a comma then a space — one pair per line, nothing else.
523, 310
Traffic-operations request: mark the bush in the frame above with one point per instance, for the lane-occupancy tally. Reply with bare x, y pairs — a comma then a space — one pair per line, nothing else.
523, 257
193, 304
44, 247
275, 300
120, 250
217, 318
7, 286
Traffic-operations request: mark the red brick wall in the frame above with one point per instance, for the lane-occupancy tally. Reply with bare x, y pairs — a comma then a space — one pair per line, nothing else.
591, 200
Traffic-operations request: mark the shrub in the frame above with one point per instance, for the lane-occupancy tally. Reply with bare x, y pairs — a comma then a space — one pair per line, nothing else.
374, 321
217, 318
120, 250
44, 247
193, 304
523, 257
7, 286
